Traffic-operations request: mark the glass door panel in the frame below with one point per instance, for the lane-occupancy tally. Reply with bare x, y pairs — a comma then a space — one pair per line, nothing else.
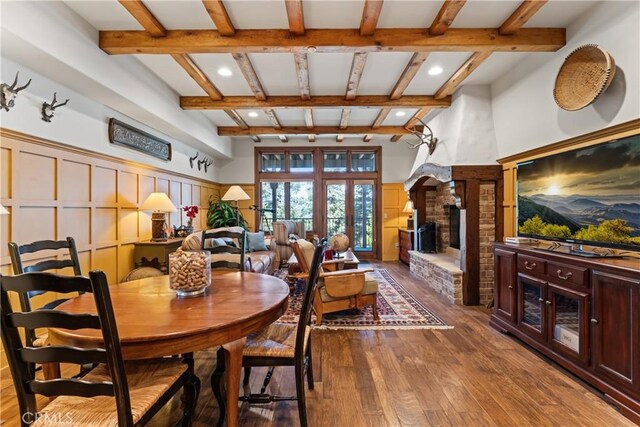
336, 207
363, 192
532, 306
568, 332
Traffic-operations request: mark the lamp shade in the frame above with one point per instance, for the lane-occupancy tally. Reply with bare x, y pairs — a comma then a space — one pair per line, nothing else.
158, 202
235, 193
3, 210
408, 207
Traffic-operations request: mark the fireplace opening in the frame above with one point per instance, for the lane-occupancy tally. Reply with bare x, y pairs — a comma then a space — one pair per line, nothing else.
454, 226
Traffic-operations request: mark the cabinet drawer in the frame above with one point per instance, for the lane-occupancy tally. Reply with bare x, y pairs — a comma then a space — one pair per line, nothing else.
562, 273
531, 265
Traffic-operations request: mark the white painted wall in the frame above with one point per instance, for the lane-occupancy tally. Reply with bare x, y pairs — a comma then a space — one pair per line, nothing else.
397, 158
465, 131
524, 111
82, 123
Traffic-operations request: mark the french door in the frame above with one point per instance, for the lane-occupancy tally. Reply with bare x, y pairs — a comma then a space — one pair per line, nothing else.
349, 208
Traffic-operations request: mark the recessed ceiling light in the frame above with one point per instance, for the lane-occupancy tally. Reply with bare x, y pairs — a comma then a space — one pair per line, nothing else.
435, 70
252, 114
224, 71
400, 114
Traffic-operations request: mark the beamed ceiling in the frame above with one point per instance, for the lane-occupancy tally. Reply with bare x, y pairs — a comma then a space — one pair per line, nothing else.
355, 68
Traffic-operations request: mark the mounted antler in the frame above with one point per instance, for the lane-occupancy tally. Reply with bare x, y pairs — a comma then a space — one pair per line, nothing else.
191, 159
208, 162
200, 163
8, 93
48, 109
428, 139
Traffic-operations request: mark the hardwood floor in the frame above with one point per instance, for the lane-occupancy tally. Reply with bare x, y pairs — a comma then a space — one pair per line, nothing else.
471, 375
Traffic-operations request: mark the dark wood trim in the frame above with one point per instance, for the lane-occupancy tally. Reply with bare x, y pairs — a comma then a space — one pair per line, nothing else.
499, 210
471, 276
632, 126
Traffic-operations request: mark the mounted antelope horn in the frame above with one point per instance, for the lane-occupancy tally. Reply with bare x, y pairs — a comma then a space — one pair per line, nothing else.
207, 163
200, 163
21, 87
8, 93
191, 159
48, 109
15, 81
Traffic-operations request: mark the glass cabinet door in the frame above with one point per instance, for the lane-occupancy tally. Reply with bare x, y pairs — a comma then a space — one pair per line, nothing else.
532, 306
568, 328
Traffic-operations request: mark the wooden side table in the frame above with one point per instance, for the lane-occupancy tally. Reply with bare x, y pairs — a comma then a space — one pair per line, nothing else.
155, 254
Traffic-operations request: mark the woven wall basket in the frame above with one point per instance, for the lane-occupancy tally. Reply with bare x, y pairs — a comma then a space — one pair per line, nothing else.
584, 75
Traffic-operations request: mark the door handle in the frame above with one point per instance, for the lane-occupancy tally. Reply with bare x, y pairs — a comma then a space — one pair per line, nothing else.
594, 321
566, 276
530, 266
541, 299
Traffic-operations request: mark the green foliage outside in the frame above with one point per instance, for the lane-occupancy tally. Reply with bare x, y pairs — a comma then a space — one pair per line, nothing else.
223, 214
611, 231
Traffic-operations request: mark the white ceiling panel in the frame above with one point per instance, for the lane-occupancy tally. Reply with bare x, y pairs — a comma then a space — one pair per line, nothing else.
218, 117
424, 84
248, 14
332, 13
105, 15
277, 72
234, 85
381, 72
363, 116
327, 116
168, 70
329, 73
494, 67
408, 14
484, 14
178, 15
261, 120
559, 13
291, 117
394, 120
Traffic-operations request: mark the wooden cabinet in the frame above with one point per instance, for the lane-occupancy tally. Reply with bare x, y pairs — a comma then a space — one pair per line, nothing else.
505, 285
582, 313
155, 254
616, 328
405, 244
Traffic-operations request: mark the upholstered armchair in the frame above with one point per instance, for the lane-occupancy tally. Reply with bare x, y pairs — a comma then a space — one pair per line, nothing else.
337, 290
281, 231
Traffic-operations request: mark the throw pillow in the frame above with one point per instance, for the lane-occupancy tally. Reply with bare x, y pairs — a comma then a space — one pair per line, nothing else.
256, 242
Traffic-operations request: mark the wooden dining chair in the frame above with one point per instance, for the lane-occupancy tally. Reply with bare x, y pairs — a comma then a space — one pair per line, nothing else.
227, 255
16, 252
279, 344
113, 393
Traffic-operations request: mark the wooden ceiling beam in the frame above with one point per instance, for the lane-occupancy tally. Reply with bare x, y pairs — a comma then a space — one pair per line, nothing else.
357, 67
408, 74
370, 16
333, 40
445, 17
308, 120
276, 123
295, 15
139, 11
302, 71
419, 115
249, 73
330, 101
318, 130
344, 122
219, 16
198, 76
462, 73
522, 14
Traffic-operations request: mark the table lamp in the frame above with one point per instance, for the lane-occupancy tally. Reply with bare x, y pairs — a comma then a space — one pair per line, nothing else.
160, 204
3, 210
408, 208
235, 193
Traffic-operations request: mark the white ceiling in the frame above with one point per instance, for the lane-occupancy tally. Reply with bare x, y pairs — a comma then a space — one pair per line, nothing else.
328, 72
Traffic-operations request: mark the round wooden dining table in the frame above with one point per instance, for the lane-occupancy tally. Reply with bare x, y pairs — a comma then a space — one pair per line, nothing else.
153, 322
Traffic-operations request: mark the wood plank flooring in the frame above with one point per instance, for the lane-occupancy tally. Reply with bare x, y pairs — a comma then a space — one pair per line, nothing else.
471, 375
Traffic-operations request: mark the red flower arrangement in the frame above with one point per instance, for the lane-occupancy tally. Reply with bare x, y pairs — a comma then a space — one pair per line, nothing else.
191, 212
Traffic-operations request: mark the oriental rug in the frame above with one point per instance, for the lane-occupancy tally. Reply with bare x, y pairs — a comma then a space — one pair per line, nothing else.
397, 308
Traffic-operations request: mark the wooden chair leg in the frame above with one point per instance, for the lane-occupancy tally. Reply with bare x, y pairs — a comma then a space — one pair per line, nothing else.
302, 406
216, 386
247, 375
309, 366
191, 393
375, 308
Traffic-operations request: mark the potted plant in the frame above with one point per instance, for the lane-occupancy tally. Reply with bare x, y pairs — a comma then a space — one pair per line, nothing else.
223, 214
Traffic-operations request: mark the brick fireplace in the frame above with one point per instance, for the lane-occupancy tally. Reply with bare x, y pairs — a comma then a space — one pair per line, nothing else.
464, 274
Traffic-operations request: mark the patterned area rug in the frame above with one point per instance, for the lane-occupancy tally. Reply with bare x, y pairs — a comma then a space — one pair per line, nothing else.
397, 309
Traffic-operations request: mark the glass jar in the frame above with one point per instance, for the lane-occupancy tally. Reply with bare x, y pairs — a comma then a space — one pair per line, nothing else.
189, 272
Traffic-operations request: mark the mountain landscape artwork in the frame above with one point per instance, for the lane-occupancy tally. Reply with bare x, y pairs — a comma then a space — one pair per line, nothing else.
589, 195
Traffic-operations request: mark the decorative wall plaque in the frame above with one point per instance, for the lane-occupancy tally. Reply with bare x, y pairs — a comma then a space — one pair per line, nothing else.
123, 134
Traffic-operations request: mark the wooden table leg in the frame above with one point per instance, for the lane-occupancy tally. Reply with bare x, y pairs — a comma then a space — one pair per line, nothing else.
233, 368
